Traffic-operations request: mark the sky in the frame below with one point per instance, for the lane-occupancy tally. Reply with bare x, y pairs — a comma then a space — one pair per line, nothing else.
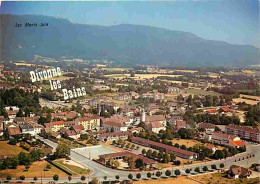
233, 21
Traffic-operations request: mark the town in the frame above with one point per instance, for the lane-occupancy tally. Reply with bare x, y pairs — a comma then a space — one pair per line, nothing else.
138, 124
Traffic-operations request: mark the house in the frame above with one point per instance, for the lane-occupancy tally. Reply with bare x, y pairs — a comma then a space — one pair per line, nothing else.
155, 127
72, 134
174, 90
136, 130
148, 163
121, 119
226, 139
32, 129
113, 136
79, 129
211, 111
209, 128
181, 124
236, 172
247, 133
224, 110
148, 119
123, 96
100, 87
165, 148
88, 122
158, 96
114, 126
13, 131
57, 125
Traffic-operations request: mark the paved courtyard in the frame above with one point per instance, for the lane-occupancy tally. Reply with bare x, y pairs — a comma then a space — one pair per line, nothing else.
93, 152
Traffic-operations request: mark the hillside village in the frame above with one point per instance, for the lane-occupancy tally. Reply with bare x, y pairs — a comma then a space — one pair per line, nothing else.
145, 119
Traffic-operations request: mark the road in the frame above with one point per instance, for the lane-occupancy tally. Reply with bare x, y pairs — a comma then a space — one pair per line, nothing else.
100, 171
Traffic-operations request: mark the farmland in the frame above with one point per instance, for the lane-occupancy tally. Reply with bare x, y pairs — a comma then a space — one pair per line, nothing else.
200, 92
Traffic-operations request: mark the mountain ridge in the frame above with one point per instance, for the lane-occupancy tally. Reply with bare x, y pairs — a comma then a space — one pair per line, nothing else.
139, 44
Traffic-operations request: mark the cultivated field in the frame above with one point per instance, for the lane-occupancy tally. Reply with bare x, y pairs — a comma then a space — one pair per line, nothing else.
200, 92
115, 69
36, 169
9, 150
247, 101
139, 76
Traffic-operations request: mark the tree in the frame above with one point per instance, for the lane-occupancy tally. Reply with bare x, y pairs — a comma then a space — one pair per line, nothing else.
143, 151
205, 168
168, 173
138, 176
12, 141
187, 171
55, 177
173, 157
166, 158
48, 167
35, 178
197, 169
221, 165
131, 162
132, 146
213, 166
149, 175
154, 154
8, 177
177, 172
69, 178
105, 178
116, 164
63, 150
149, 153
158, 174
82, 178
27, 167
117, 177
139, 163
138, 147
130, 176
177, 162
22, 177
94, 180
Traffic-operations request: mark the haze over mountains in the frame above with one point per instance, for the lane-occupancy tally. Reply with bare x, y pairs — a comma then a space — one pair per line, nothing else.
124, 42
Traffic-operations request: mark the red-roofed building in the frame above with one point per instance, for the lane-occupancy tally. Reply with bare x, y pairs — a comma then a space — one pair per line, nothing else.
155, 127
212, 111
12, 131
181, 124
165, 148
247, 133
208, 127
237, 143
57, 125
121, 155
224, 109
223, 139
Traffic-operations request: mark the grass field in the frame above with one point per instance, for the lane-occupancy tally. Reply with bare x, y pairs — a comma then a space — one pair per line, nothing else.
219, 178
9, 150
186, 142
200, 92
36, 169
73, 169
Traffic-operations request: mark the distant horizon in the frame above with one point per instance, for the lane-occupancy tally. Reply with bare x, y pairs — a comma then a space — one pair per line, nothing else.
134, 25
232, 21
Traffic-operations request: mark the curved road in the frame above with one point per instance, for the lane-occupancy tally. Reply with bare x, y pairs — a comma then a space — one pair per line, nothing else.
252, 155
